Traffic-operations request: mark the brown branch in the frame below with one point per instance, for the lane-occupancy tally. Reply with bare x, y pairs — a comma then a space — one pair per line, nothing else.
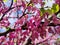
5, 33
25, 10
43, 40
52, 24
7, 10
27, 39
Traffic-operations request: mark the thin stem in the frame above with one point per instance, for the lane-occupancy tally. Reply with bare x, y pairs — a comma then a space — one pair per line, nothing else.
7, 10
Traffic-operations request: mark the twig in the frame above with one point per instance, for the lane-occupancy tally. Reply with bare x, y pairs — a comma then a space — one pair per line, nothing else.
7, 10
26, 41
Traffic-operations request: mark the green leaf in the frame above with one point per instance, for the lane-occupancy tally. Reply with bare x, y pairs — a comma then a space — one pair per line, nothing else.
42, 11
58, 15
7, 28
5, 0
55, 8
49, 11
15, 0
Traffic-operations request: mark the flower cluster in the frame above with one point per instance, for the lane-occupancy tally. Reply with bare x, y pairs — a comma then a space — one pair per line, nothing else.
29, 22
